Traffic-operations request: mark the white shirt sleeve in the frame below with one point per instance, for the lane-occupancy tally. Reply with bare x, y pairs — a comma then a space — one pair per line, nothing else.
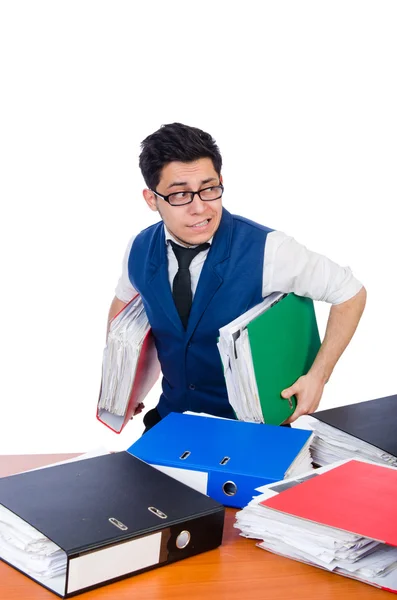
290, 267
124, 289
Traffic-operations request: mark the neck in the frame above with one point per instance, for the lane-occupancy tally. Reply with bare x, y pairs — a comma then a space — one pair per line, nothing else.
179, 240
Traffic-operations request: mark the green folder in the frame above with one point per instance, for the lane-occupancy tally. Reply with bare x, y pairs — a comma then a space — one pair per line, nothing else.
284, 342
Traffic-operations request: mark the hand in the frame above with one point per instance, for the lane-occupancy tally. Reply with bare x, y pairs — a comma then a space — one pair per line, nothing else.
138, 409
308, 390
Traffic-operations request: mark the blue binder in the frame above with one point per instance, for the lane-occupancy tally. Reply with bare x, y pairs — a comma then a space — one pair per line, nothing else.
222, 458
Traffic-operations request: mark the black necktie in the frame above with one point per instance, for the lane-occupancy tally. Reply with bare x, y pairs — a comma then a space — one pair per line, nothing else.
181, 286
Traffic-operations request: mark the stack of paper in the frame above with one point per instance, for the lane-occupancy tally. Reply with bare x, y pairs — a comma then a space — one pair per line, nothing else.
27, 549
120, 357
130, 366
361, 430
236, 356
331, 444
266, 350
340, 518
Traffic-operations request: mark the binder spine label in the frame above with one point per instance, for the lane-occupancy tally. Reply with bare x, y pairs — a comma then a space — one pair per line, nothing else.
103, 565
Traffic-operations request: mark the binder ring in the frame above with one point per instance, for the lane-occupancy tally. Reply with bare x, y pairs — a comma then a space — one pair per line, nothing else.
229, 488
183, 539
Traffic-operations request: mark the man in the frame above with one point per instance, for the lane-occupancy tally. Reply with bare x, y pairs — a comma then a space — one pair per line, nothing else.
200, 267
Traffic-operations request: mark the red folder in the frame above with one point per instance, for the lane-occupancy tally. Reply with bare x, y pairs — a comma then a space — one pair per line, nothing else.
356, 497
146, 375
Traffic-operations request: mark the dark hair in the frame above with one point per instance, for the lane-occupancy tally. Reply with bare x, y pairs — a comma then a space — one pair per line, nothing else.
175, 142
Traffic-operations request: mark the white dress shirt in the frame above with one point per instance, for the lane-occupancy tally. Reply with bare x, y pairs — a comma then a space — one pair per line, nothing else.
288, 267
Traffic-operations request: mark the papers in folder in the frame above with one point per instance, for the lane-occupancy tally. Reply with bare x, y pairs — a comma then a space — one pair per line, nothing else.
28, 549
130, 366
331, 444
236, 357
362, 430
266, 350
333, 518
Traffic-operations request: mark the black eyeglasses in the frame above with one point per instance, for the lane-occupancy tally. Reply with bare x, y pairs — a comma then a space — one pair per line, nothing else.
180, 198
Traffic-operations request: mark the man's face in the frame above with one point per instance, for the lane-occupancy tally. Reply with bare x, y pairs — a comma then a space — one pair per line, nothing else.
192, 223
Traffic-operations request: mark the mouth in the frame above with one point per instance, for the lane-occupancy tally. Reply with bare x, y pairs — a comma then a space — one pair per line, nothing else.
201, 224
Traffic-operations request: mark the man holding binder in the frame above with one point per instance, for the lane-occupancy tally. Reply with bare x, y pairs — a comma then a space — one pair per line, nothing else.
200, 267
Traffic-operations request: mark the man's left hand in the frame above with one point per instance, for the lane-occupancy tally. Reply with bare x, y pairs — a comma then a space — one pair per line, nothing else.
308, 390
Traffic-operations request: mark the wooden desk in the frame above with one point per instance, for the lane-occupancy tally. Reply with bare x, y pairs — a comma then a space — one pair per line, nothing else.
238, 570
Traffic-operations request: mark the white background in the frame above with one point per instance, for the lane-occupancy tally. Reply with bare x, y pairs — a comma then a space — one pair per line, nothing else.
301, 97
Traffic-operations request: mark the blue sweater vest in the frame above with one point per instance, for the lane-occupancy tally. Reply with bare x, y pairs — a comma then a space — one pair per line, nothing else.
230, 284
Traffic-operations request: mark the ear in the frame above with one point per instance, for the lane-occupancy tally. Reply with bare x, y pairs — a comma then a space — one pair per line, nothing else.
150, 199
221, 179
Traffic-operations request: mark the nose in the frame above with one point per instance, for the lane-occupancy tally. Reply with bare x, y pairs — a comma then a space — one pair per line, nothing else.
197, 205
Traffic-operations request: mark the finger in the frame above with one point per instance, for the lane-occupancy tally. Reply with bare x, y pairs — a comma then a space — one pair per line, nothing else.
288, 392
295, 388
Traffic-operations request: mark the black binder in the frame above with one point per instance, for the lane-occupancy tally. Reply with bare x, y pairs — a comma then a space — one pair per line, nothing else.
373, 421
113, 516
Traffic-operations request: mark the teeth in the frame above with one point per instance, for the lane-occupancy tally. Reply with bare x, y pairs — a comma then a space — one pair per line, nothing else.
202, 224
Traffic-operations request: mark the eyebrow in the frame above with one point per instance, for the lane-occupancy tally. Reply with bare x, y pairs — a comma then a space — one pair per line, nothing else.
180, 183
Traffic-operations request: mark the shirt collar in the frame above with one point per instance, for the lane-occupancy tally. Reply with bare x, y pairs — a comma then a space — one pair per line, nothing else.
169, 237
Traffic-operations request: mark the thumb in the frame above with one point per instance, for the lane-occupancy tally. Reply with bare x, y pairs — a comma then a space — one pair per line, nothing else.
288, 392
